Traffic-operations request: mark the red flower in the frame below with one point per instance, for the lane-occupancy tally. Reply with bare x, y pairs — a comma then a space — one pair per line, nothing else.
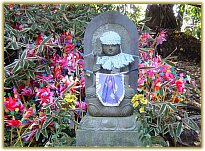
145, 36
69, 47
39, 39
157, 85
45, 95
180, 85
12, 104
13, 123
10, 6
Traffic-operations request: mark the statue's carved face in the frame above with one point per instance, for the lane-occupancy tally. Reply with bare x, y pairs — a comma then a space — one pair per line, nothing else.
111, 50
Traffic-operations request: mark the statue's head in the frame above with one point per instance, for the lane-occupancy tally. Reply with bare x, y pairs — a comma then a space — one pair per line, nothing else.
111, 42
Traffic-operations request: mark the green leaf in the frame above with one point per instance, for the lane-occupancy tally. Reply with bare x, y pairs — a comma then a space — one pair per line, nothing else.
47, 122
165, 83
157, 103
166, 112
31, 63
171, 131
170, 54
77, 71
161, 92
26, 134
25, 65
46, 26
57, 126
169, 62
34, 26
159, 123
27, 74
22, 76
32, 75
10, 65
146, 67
16, 67
172, 107
189, 86
58, 105
185, 115
23, 56
62, 7
48, 69
46, 106
52, 45
51, 25
162, 109
14, 31
30, 17
156, 130
15, 45
40, 48
38, 134
191, 124
68, 88
44, 132
179, 129
24, 30
194, 125
63, 126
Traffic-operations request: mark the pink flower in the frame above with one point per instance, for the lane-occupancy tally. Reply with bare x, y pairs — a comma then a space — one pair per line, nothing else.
180, 85
161, 37
63, 62
82, 81
31, 53
27, 92
45, 96
47, 77
28, 113
84, 105
69, 47
81, 105
168, 75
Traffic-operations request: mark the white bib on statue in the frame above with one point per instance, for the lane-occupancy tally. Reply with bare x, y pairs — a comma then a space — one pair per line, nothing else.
118, 61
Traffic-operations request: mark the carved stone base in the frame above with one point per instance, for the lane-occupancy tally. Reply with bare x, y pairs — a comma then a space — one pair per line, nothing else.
108, 131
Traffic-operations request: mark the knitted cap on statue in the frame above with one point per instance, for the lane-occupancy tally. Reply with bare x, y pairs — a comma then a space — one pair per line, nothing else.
117, 61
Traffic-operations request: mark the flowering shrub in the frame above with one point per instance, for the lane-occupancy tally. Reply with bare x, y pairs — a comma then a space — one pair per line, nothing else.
47, 97
161, 93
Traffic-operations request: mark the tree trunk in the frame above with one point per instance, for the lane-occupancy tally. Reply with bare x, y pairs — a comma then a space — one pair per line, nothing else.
162, 17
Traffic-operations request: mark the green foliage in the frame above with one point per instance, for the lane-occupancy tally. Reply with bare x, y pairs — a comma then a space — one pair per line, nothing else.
192, 17
164, 112
163, 118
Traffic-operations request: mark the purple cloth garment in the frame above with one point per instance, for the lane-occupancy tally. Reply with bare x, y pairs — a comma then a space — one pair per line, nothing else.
110, 88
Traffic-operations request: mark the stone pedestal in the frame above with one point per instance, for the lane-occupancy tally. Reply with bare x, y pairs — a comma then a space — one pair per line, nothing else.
108, 131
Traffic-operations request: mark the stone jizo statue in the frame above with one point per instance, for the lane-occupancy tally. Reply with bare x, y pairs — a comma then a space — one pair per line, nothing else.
111, 62
110, 94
